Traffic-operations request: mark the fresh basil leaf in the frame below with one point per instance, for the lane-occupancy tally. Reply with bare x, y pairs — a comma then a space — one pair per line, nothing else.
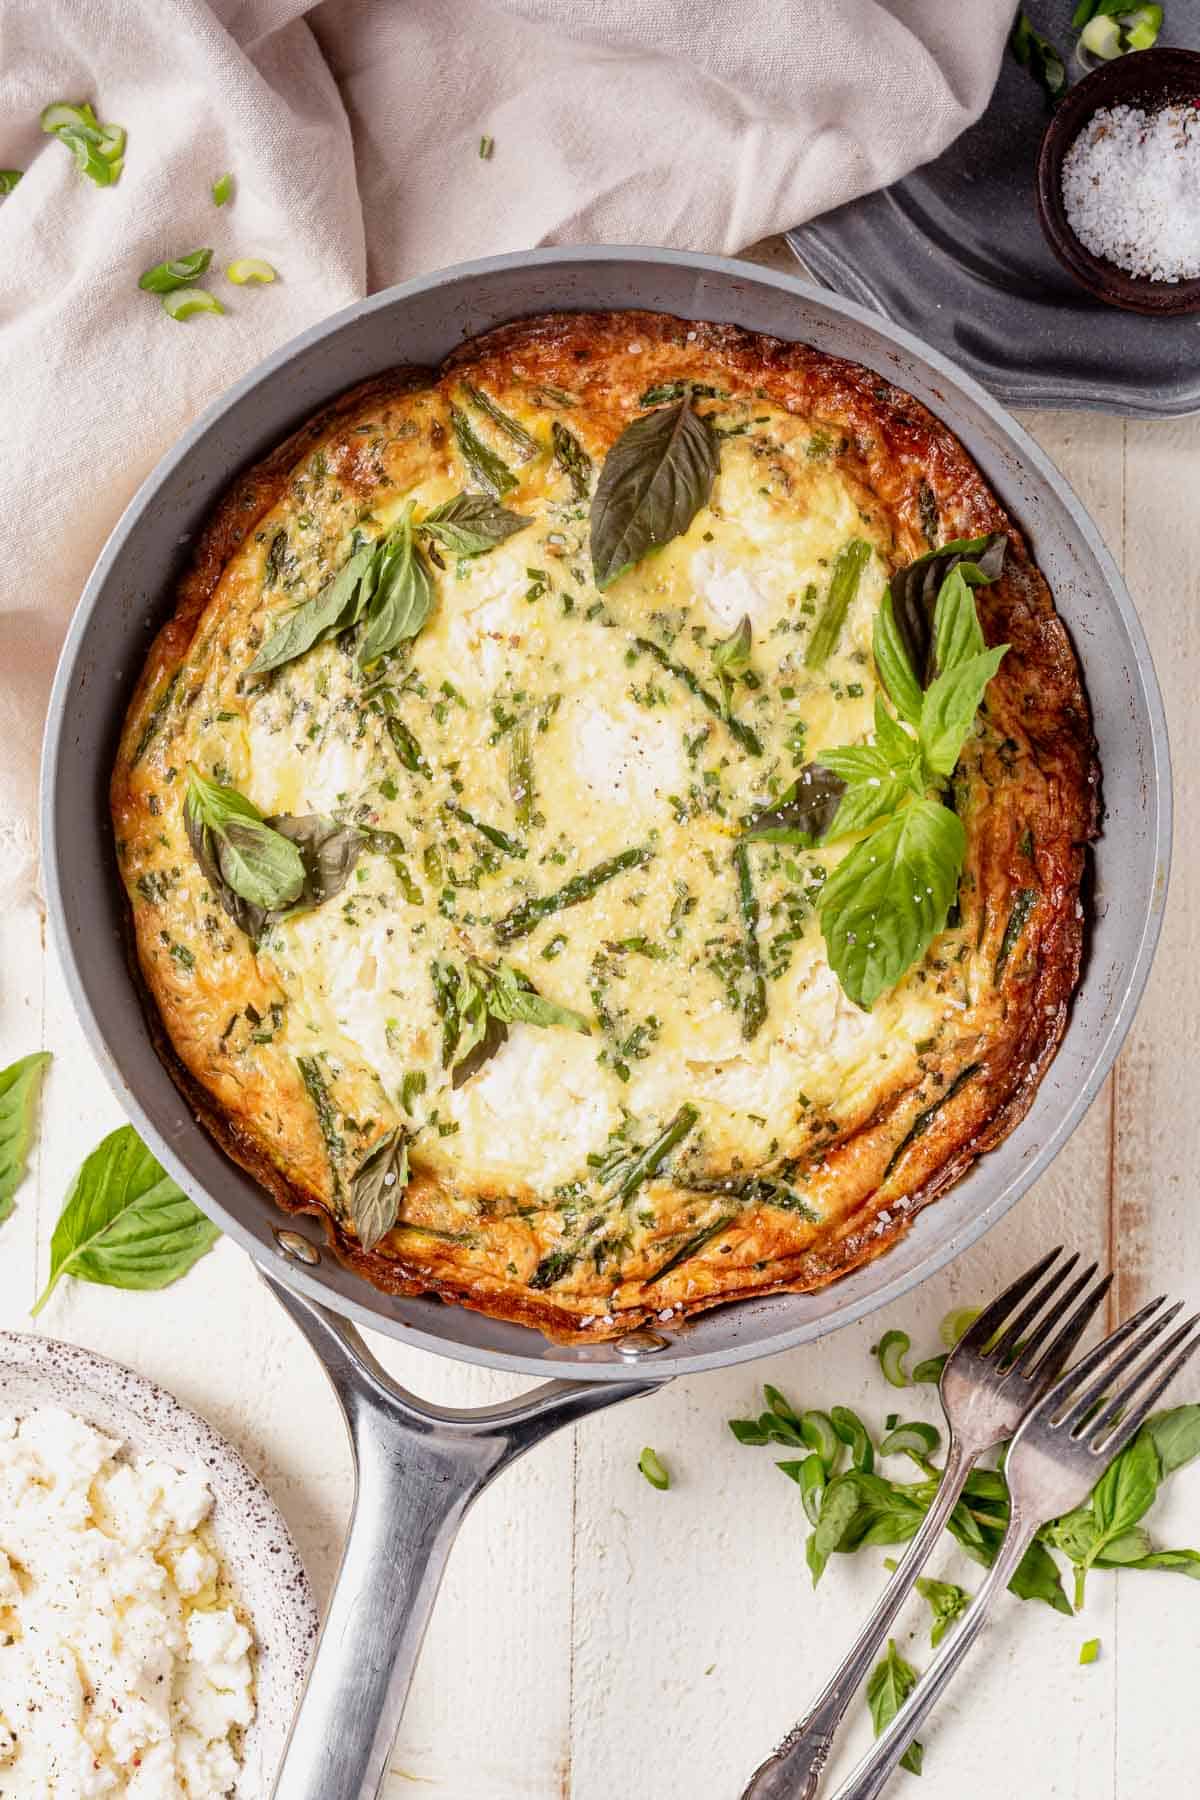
890, 1684
848, 566
20, 1085
947, 1602
901, 748
378, 1186
893, 663
1037, 1578
805, 814
490, 471
888, 898
572, 459
1184, 1562
914, 591
866, 803
1131, 1547
1038, 55
125, 1223
731, 658
839, 1508
957, 633
655, 479
516, 1002
1176, 1435
949, 707
748, 1431
328, 850
1127, 1489
469, 524
328, 612
401, 596
930, 1369
259, 864
179, 272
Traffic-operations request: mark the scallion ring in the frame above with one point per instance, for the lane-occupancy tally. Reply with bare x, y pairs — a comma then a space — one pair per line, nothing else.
61, 112
956, 1323
184, 303
891, 1350
179, 272
816, 1428
654, 1469
918, 1440
249, 268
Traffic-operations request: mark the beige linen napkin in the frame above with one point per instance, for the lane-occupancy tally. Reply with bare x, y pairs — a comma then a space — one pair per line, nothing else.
353, 133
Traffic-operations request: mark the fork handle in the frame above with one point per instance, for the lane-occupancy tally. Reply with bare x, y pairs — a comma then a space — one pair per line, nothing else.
876, 1768
793, 1772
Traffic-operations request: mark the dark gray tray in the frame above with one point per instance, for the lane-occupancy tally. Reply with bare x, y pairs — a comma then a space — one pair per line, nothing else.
955, 252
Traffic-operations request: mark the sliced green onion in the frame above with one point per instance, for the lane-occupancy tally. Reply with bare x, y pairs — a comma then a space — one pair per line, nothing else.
1101, 37
222, 189
1142, 26
916, 1439
179, 272
9, 179
816, 1429
113, 139
249, 268
1090, 1651
184, 303
486, 146
812, 1486
852, 1431
891, 1350
654, 1469
930, 1369
957, 1323
61, 112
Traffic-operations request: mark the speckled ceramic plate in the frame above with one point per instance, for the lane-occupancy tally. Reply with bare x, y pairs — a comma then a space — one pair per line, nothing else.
257, 1548
955, 253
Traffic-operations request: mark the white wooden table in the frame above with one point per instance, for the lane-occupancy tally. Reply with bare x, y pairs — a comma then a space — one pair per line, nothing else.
596, 1638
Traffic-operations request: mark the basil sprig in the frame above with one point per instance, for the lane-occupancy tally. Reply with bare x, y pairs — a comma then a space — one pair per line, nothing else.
477, 1005
731, 658
126, 1224
20, 1085
655, 479
890, 896
469, 524
261, 869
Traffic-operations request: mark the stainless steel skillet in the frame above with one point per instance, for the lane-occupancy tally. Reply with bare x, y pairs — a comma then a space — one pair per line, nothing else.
420, 1466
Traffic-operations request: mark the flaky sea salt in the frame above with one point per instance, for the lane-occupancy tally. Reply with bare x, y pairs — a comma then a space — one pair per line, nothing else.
1131, 187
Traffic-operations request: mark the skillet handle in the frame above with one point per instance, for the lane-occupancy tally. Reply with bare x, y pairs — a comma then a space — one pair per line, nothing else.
418, 1467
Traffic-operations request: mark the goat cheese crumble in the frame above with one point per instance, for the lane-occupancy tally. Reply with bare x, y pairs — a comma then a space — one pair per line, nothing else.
122, 1672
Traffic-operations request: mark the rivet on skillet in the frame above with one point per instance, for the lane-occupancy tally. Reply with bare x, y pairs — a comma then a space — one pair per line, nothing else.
642, 1343
298, 1248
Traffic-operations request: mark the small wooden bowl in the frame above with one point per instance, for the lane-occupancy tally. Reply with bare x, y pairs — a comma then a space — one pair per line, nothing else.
1147, 78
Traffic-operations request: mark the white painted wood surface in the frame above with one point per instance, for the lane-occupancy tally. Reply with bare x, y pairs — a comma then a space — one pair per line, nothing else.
596, 1638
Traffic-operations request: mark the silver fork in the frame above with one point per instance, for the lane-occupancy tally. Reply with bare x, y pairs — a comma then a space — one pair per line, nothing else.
1061, 1449
991, 1378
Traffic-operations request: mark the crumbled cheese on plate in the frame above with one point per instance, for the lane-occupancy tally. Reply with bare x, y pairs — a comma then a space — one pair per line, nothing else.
122, 1670
1131, 188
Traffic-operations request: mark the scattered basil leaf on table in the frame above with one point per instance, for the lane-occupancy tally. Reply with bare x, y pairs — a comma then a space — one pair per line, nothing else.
9, 179
125, 1223
377, 1188
20, 1086
890, 1684
1089, 1652
654, 481
469, 524
654, 1469
179, 272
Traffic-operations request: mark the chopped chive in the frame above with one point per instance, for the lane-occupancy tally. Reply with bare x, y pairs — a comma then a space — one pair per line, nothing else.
486, 146
891, 1350
1090, 1651
654, 1469
754, 1002
957, 1323
222, 189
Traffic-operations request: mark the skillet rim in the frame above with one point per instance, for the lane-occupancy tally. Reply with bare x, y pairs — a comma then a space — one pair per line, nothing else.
753, 1326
